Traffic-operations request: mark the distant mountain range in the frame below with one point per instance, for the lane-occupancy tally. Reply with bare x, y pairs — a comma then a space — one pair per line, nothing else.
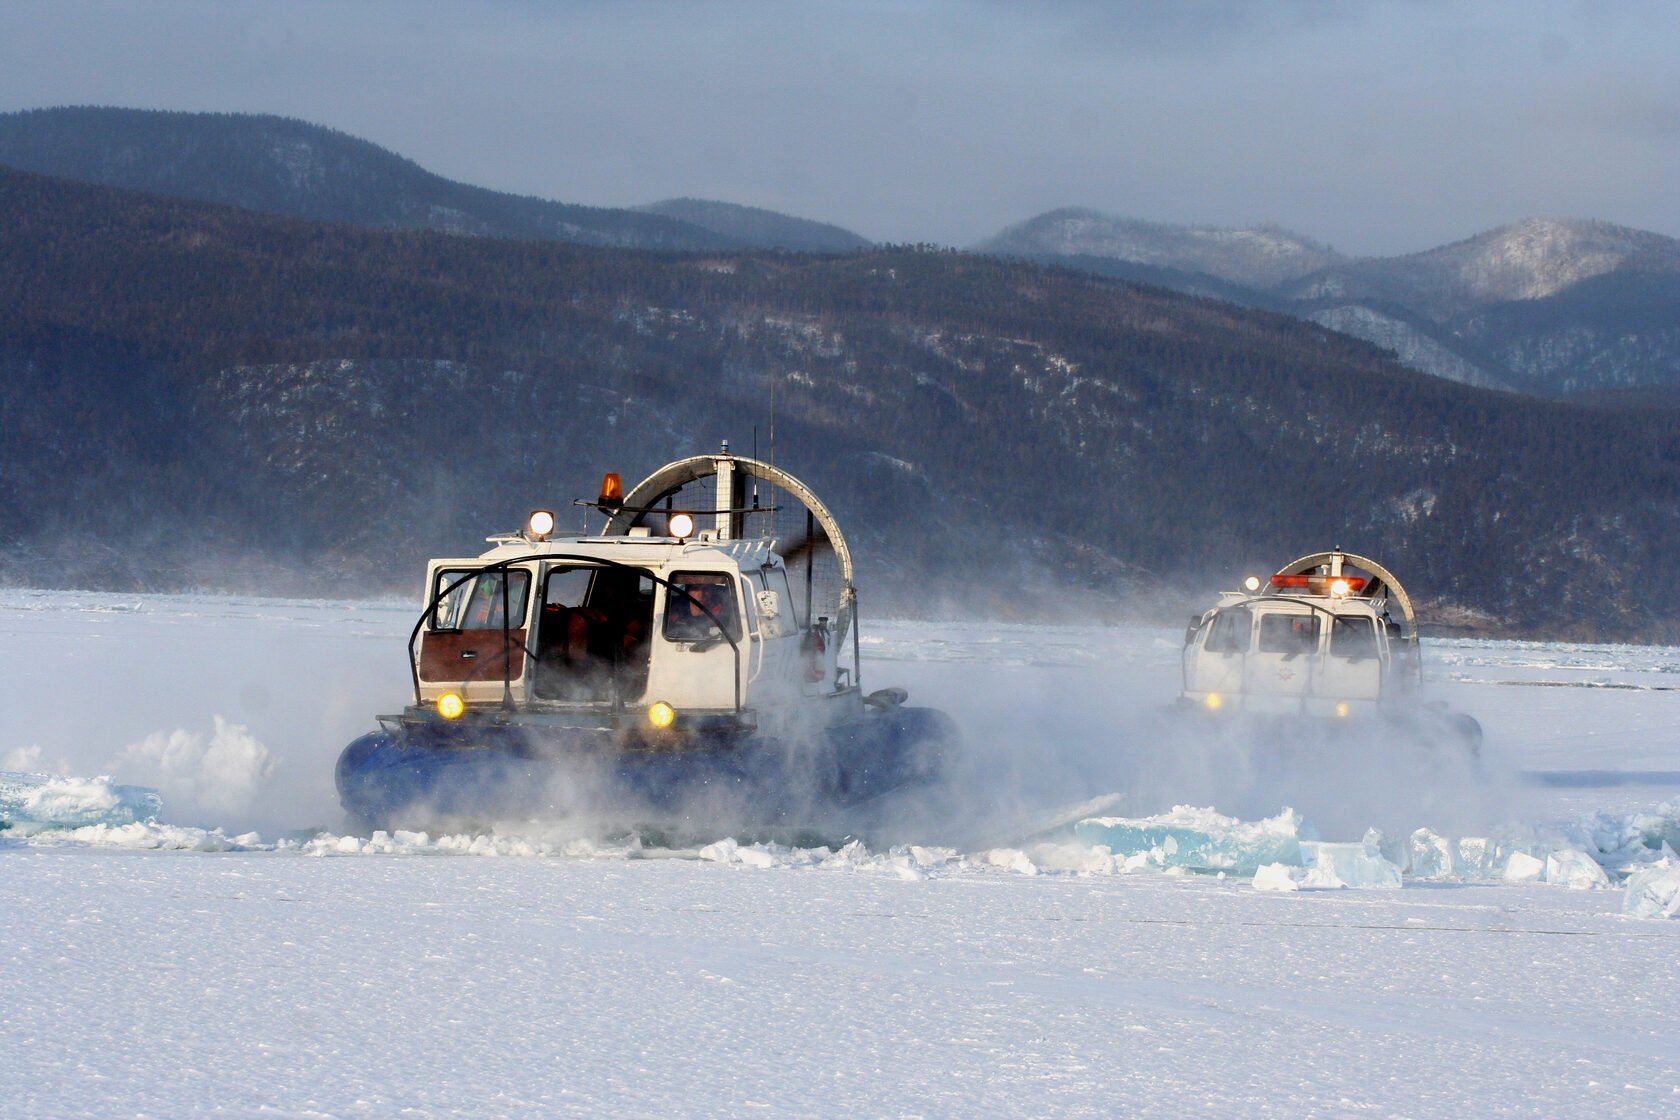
1543, 306
204, 396
1548, 307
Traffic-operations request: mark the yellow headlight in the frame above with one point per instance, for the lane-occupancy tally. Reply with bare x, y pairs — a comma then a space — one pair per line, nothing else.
1214, 701
1342, 710
450, 705
662, 715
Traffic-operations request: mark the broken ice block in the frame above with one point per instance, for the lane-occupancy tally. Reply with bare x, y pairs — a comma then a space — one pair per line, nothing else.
1478, 858
1653, 893
1391, 848
1357, 865
1431, 855
1523, 868
31, 802
1568, 867
1277, 877
1198, 839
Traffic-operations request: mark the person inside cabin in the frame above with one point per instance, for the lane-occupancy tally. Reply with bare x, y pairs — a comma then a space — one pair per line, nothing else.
1288, 634
488, 598
686, 616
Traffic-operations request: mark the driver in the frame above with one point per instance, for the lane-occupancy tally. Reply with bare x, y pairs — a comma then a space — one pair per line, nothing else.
686, 619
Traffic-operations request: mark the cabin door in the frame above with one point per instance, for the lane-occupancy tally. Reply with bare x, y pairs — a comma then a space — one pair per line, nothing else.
592, 638
694, 664
1351, 669
474, 640
1281, 667
1217, 664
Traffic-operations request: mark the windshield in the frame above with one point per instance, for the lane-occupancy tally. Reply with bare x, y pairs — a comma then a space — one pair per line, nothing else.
1288, 633
1353, 638
1230, 631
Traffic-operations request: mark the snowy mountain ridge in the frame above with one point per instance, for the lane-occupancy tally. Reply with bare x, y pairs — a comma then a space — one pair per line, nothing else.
1258, 256
1533, 259
1544, 305
1540, 257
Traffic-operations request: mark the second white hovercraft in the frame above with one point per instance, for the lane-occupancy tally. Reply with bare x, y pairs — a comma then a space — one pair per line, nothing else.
1329, 637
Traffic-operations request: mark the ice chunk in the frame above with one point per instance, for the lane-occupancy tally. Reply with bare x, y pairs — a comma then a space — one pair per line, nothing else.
1072, 856
1653, 893
1277, 877
1357, 865
31, 802
1622, 844
1012, 859
1569, 867
1393, 849
1198, 839
1478, 858
1523, 868
729, 850
1430, 855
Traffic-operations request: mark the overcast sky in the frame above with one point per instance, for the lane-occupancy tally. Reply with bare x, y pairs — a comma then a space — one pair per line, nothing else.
1379, 126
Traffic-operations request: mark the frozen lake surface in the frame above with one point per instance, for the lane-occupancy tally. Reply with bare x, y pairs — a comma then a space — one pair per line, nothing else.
242, 957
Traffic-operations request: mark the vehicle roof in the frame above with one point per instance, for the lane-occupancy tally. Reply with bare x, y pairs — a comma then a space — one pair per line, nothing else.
648, 552
1298, 603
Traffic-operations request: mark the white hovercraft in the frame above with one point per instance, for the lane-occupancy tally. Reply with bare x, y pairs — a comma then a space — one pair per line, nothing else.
1331, 638
652, 673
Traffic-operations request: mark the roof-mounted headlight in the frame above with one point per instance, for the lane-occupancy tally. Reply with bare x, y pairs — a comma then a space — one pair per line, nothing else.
539, 525
680, 525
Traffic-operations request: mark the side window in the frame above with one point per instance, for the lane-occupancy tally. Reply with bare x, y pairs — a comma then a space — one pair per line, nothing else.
1353, 638
476, 604
796, 605
686, 621
566, 587
1230, 631
1288, 633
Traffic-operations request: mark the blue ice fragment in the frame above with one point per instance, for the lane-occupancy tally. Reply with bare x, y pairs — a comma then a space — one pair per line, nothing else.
1198, 839
1430, 855
1479, 857
1358, 865
1653, 893
1570, 867
31, 802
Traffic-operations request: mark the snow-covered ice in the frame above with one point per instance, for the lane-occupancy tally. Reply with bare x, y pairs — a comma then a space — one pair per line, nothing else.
238, 954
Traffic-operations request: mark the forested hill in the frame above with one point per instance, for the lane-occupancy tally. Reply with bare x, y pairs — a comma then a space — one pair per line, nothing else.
207, 396
277, 165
